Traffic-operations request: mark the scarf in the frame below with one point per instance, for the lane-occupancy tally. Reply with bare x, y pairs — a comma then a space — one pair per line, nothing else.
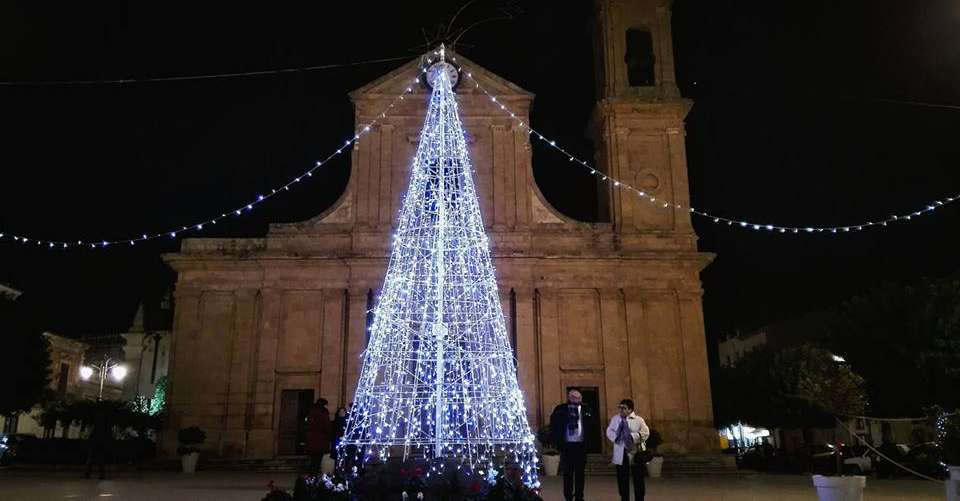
573, 419
624, 437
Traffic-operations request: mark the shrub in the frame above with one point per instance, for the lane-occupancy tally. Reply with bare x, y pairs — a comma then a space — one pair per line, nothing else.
188, 438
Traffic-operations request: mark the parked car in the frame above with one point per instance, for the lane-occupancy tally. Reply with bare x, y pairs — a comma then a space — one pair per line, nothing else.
753, 457
926, 458
821, 458
857, 459
896, 452
11, 445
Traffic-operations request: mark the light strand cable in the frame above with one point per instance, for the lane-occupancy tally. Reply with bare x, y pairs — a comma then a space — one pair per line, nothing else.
27, 83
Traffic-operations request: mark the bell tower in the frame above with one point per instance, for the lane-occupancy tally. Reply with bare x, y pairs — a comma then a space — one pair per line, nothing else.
638, 131
637, 124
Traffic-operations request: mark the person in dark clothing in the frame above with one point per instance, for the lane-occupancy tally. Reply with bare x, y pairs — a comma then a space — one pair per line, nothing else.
569, 425
339, 428
98, 441
318, 433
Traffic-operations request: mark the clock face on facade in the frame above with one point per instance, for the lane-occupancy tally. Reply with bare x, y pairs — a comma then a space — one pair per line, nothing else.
452, 72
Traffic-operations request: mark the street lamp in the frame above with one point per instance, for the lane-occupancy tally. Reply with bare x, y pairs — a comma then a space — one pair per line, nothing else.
114, 369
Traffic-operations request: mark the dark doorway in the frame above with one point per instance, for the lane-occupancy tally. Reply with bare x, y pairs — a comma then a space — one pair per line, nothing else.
639, 58
294, 406
591, 435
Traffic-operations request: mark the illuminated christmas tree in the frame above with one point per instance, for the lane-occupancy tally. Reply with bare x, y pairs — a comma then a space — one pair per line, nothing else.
439, 383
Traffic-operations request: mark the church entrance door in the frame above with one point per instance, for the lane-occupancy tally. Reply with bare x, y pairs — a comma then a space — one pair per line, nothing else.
592, 436
294, 407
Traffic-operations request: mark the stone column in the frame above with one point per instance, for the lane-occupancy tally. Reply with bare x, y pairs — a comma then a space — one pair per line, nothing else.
666, 79
183, 358
702, 436
678, 173
549, 336
368, 148
523, 174
355, 340
233, 441
334, 327
616, 360
528, 359
261, 434
638, 352
621, 213
667, 366
387, 214
498, 174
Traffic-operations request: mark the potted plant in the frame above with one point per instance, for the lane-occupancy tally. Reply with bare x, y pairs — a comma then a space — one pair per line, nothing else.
655, 464
189, 438
812, 377
550, 456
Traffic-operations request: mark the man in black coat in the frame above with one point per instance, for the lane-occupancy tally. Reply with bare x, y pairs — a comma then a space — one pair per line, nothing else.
569, 425
99, 440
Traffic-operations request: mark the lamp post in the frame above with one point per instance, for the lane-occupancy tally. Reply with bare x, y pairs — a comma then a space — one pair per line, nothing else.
107, 366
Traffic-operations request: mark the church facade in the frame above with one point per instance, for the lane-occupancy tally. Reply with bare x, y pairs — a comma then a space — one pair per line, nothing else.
263, 326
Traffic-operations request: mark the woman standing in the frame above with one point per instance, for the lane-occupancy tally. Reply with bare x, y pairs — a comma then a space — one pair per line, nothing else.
318, 434
339, 428
629, 434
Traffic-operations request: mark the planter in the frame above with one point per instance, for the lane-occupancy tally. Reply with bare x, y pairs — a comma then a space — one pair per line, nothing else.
327, 464
551, 464
953, 483
189, 462
655, 467
839, 488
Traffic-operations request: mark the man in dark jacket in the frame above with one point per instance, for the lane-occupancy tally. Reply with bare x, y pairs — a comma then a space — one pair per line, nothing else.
569, 425
99, 440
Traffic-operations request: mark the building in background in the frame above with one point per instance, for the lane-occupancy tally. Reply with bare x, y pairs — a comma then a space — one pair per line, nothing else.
146, 352
810, 328
264, 326
66, 358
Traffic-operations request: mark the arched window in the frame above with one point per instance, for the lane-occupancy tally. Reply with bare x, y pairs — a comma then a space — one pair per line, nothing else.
639, 58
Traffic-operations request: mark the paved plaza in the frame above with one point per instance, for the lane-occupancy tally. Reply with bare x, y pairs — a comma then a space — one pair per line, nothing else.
248, 486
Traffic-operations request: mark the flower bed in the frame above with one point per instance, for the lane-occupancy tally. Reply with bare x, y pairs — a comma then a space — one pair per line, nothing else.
408, 481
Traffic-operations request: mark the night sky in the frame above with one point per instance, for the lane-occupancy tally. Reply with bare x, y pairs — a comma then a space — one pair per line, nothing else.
802, 116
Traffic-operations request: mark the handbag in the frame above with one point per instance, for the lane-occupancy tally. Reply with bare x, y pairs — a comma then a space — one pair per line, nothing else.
643, 456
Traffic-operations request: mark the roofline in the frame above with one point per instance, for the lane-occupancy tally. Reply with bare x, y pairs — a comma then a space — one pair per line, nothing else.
414, 64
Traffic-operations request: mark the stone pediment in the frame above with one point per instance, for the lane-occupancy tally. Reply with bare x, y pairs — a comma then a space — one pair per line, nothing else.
380, 164
396, 81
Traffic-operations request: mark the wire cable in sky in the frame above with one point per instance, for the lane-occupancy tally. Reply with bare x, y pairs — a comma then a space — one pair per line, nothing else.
15, 83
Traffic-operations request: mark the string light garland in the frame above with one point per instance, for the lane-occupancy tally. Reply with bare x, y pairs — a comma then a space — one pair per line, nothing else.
240, 210
666, 204
438, 382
